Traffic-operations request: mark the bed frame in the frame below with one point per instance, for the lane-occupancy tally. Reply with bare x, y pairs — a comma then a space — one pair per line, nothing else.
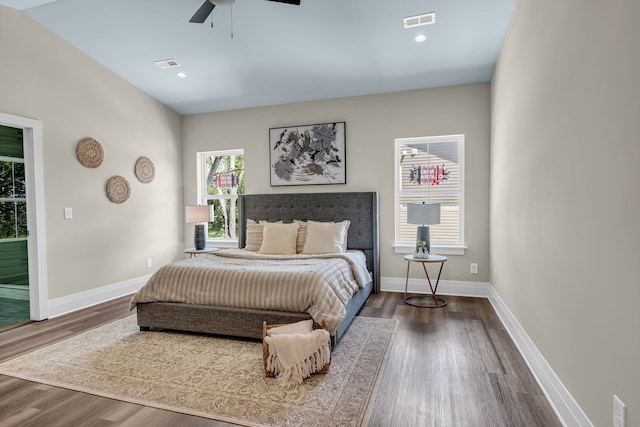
361, 208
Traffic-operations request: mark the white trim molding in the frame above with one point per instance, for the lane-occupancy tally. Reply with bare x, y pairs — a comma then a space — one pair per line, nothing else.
563, 403
36, 219
446, 287
565, 406
74, 302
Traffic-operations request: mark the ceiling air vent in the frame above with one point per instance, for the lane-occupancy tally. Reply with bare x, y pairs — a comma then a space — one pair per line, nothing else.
419, 20
167, 63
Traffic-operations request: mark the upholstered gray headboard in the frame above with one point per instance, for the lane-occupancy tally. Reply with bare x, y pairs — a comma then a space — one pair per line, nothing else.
361, 208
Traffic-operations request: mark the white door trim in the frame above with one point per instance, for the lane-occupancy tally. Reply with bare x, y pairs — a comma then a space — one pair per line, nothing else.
36, 220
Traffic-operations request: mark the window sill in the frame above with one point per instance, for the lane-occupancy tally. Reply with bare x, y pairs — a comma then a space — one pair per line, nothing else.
440, 250
225, 244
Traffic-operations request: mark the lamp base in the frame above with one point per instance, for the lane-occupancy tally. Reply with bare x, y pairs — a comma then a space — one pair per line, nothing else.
423, 242
199, 239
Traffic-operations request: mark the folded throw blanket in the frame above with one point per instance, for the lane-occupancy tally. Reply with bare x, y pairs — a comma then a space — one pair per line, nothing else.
294, 357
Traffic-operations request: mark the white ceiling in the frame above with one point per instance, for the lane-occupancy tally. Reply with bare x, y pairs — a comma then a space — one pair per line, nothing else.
279, 53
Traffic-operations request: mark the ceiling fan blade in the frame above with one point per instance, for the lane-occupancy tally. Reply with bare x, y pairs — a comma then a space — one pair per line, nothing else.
296, 2
203, 13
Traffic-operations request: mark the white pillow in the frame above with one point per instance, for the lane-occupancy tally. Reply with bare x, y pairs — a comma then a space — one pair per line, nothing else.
279, 239
253, 239
326, 237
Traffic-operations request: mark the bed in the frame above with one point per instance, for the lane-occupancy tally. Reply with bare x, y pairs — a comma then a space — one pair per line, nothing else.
360, 208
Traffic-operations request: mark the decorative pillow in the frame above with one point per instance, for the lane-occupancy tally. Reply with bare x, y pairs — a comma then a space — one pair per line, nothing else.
279, 239
326, 237
302, 235
253, 239
254, 236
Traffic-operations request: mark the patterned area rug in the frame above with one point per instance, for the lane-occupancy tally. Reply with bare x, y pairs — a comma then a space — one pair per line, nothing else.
213, 377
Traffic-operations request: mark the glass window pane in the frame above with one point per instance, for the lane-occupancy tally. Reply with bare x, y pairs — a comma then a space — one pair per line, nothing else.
224, 174
445, 233
6, 179
19, 181
21, 210
225, 219
428, 166
7, 220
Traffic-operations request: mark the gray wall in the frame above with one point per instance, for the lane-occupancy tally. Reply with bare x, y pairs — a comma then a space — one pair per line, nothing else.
372, 124
565, 238
44, 78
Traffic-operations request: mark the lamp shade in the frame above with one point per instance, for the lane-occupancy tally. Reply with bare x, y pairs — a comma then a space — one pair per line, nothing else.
200, 213
423, 213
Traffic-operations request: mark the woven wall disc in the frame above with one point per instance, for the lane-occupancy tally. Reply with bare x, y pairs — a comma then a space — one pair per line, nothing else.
90, 152
145, 170
118, 189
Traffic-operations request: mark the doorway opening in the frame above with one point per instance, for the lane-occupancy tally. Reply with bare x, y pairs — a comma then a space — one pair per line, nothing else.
23, 272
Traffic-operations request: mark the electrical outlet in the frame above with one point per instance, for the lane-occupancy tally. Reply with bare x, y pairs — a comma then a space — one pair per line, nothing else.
148, 262
68, 213
473, 268
619, 415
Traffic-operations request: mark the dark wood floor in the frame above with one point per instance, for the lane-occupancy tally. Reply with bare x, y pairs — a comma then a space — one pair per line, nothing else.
452, 366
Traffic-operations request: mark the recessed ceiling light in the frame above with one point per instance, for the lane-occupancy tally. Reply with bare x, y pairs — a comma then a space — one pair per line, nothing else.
167, 63
420, 38
181, 75
419, 20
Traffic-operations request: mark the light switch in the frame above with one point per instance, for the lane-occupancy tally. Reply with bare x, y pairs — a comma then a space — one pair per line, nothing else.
68, 213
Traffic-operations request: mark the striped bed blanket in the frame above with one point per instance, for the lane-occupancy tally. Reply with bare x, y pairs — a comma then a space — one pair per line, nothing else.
320, 285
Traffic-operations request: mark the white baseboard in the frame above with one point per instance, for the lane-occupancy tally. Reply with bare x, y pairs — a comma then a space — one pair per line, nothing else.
567, 409
69, 303
445, 287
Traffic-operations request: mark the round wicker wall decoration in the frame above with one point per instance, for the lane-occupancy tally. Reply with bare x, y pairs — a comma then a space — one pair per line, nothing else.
118, 189
90, 152
145, 170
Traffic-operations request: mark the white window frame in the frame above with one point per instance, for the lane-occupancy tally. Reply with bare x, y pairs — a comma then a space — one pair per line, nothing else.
404, 248
203, 197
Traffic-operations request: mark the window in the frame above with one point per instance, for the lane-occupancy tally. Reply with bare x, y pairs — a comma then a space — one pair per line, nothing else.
221, 180
431, 169
13, 194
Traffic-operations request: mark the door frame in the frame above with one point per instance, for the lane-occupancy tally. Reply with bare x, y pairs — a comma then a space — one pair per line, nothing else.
36, 219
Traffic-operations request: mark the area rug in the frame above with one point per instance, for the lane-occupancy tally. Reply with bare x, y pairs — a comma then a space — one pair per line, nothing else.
214, 377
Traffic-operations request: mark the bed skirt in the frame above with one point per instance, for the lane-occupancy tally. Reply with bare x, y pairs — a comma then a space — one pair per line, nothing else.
232, 321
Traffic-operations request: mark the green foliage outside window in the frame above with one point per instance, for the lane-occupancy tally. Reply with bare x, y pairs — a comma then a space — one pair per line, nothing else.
224, 182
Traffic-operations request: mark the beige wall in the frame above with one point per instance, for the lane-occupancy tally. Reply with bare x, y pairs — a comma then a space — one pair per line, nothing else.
565, 178
372, 124
44, 78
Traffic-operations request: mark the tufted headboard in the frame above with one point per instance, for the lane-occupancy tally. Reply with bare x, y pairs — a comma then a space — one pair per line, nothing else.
361, 208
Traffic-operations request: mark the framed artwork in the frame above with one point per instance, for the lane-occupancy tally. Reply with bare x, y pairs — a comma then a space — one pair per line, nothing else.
308, 155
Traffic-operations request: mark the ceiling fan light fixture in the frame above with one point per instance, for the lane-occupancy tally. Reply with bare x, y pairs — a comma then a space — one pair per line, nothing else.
203, 12
296, 2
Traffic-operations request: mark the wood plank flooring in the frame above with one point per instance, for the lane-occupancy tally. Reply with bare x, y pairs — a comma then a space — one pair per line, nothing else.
452, 366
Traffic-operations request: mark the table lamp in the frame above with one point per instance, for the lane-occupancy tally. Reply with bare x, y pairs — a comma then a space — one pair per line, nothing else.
423, 214
200, 215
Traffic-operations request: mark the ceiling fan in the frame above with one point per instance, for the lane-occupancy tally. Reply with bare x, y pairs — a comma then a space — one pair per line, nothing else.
207, 7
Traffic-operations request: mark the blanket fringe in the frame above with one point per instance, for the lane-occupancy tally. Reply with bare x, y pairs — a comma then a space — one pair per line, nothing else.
302, 370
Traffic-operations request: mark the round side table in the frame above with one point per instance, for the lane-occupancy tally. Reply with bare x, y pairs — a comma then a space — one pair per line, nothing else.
193, 251
425, 300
